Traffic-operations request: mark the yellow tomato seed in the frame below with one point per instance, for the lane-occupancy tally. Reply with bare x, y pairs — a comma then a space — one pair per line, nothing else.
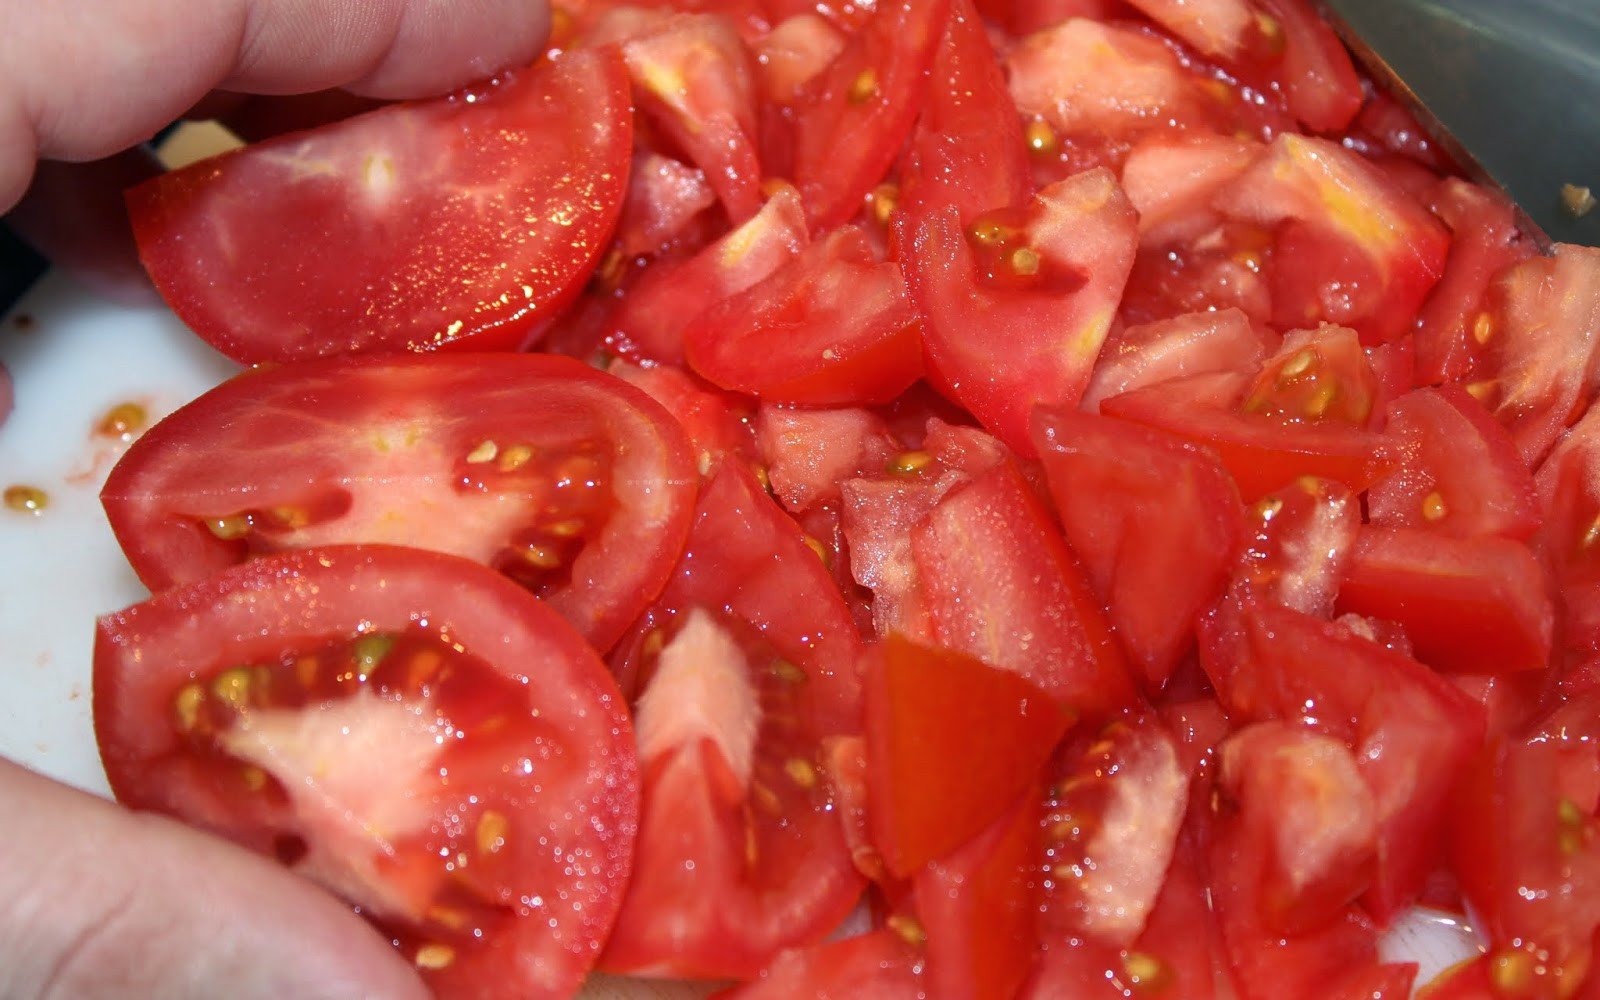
1483, 328
864, 87
1433, 507
1026, 261
232, 687
26, 499
186, 706
435, 956
909, 463
491, 833
801, 772
484, 452
1040, 137
908, 928
515, 457
230, 528
123, 421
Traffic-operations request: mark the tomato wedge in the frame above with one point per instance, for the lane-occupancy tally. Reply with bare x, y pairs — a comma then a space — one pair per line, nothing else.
568, 480
414, 204
877, 965
1017, 304
747, 666
1224, 340
321, 729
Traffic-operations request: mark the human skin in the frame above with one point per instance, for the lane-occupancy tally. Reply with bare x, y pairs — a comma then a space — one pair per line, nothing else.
100, 902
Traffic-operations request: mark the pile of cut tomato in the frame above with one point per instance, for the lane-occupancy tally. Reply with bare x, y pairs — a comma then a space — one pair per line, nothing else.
1083, 486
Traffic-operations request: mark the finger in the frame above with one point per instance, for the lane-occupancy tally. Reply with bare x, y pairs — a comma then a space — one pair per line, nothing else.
136, 66
74, 215
102, 903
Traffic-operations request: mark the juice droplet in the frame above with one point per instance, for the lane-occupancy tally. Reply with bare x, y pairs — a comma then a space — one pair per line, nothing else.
26, 499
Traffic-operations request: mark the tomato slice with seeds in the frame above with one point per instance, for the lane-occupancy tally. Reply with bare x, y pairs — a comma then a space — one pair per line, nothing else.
809, 453
409, 729
1223, 340
566, 479
400, 197
856, 114
1316, 376
831, 327
747, 666
1017, 305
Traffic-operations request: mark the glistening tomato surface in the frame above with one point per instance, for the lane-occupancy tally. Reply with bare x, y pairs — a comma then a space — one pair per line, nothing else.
568, 480
409, 729
459, 221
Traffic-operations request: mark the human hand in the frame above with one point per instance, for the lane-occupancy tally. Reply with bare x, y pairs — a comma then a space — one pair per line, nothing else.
100, 902
84, 81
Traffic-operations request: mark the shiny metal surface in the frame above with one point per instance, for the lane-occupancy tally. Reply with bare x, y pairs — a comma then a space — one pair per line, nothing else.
1516, 83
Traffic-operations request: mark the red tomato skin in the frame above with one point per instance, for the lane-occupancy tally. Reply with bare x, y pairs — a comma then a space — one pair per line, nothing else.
1262, 453
718, 918
1134, 502
1319, 80
1486, 243
664, 198
400, 291
1460, 473
1192, 344
873, 966
146, 653
856, 114
173, 478
951, 744
716, 423
1001, 586
978, 906
1468, 605
998, 352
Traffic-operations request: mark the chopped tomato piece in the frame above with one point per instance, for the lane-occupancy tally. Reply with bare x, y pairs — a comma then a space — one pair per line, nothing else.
1569, 498
1459, 474
568, 480
831, 327
1317, 375
424, 739
855, 116
1218, 28
1192, 344
1301, 538
809, 453
240, 246
747, 666
951, 744
1319, 81
878, 965
1173, 179
1470, 605
1017, 305
794, 52
717, 423
664, 197
1002, 586
1135, 502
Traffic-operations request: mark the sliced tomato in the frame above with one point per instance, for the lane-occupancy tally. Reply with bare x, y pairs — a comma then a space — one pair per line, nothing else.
1317, 376
747, 666
1001, 585
1017, 305
832, 327
1301, 539
1263, 452
1569, 499
1192, 344
809, 453
1134, 503
383, 738
1217, 28
652, 319
664, 197
717, 423
1544, 345
1475, 606
978, 909
854, 116
565, 479
1227, 266
1173, 178
1319, 82
1460, 473
951, 744
794, 52
1454, 326
693, 75
1528, 860
877, 965
407, 199
1355, 250
966, 149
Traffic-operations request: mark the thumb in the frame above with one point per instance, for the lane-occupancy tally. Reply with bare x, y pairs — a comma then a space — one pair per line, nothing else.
105, 903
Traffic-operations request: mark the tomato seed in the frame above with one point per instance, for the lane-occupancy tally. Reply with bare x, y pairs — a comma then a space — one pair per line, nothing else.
1025, 261
885, 198
1433, 507
186, 706
26, 499
230, 528
1483, 328
909, 929
491, 833
232, 687
801, 771
909, 463
123, 422
1146, 973
787, 672
864, 87
1041, 138
515, 457
435, 956
484, 452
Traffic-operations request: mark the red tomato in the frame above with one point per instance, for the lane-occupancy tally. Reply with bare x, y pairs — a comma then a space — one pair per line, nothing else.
1218, 28
748, 664
1543, 346
716, 422
664, 197
563, 478
792, 54
1302, 536
831, 327
1319, 82
1454, 326
406, 199
1353, 249
978, 908
1460, 473
809, 453
873, 966
1227, 266
309, 705
1173, 178
966, 149
1569, 498
951, 744
1000, 585
696, 80
855, 116
652, 319
1192, 344
1263, 452
1317, 376
1016, 307
1475, 605
1135, 502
